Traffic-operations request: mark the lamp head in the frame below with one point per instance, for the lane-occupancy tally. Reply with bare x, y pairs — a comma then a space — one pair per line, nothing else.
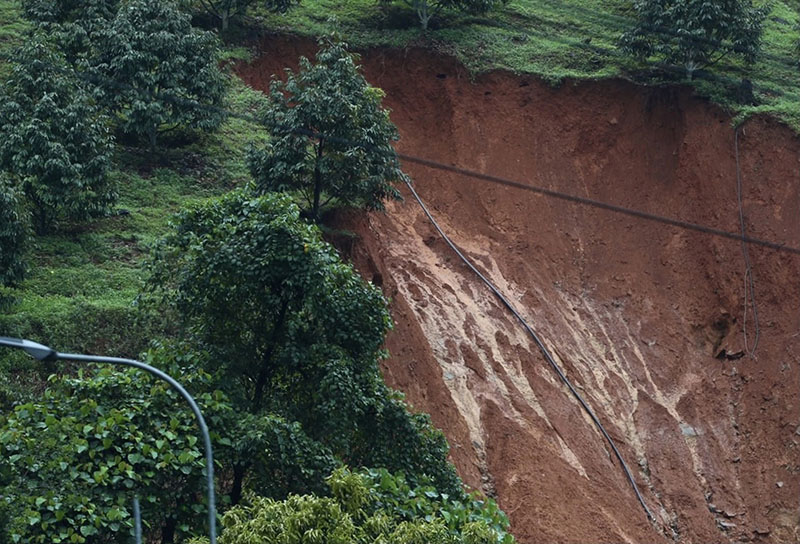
37, 351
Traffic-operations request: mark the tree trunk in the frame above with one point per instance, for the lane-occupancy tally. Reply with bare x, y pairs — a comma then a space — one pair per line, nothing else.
226, 14
264, 373
152, 134
317, 184
238, 479
168, 531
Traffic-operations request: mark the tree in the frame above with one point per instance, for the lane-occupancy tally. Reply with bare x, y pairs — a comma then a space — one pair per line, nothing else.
296, 332
53, 139
157, 73
371, 507
354, 163
225, 10
695, 33
12, 234
71, 463
428, 9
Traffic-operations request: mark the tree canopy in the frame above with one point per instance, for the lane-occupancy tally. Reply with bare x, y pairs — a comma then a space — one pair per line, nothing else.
695, 33
354, 164
157, 72
296, 332
54, 140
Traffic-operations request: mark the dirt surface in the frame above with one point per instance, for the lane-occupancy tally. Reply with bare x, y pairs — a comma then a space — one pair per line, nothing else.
647, 319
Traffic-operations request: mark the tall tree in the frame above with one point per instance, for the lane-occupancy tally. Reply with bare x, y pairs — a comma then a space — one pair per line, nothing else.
53, 139
297, 332
695, 33
157, 72
354, 163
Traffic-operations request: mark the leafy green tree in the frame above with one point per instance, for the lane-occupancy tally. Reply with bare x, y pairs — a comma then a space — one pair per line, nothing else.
296, 332
12, 234
53, 139
157, 72
225, 10
358, 512
354, 163
71, 463
71, 24
695, 33
428, 9
66, 11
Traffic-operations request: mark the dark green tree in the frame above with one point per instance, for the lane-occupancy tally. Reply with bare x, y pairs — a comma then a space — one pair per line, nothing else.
296, 332
695, 33
225, 10
428, 9
354, 164
12, 234
157, 72
71, 24
54, 141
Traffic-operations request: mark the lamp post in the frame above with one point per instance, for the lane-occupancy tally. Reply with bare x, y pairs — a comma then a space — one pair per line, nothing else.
44, 353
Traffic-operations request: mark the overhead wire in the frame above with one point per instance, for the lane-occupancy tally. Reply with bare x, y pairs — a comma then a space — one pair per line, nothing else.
95, 78
542, 348
749, 284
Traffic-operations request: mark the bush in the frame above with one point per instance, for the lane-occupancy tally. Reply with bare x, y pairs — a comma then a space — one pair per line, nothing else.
13, 229
366, 508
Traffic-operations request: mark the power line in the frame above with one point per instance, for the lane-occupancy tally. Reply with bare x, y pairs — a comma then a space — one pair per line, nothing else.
601, 205
545, 352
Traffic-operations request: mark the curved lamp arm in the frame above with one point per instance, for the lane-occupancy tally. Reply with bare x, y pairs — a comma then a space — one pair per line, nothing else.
44, 353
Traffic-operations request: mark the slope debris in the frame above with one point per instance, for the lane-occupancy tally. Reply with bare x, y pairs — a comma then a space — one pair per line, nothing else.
646, 318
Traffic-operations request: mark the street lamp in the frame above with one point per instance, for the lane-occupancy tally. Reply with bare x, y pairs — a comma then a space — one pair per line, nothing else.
44, 353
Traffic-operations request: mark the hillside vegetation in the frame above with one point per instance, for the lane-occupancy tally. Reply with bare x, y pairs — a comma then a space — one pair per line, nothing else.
81, 292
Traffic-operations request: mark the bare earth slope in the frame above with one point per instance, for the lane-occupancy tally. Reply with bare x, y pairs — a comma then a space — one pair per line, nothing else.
636, 312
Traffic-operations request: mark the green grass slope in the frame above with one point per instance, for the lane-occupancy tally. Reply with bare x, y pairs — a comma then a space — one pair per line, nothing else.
556, 40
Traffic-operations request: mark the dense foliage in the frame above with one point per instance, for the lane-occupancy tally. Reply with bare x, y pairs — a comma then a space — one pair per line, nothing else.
695, 33
71, 463
54, 140
354, 163
72, 24
364, 509
12, 234
156, 71
296, 331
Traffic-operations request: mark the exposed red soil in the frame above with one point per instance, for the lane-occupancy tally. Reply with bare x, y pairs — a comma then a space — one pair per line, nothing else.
635, 311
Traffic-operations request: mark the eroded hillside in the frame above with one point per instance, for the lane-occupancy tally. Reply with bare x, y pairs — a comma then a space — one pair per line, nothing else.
647, 319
